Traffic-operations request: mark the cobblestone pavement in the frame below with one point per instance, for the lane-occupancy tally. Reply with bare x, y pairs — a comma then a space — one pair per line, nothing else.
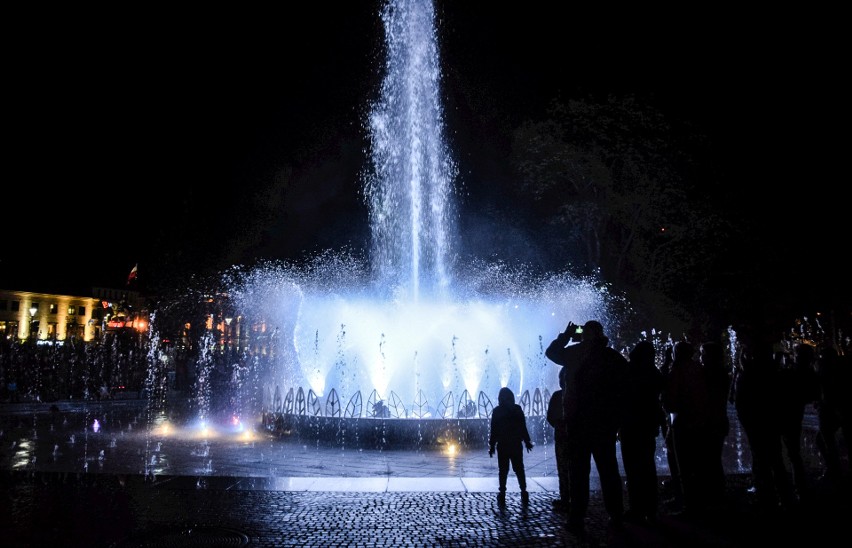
54, 501
92, 510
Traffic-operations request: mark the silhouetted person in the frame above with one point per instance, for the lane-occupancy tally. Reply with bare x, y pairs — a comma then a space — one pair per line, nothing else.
673, 485
12, 388
642, 421
55, 415
560, 446
756, 395
798, 386
685, 398
711, 356
833, 410
593, 409
509, 435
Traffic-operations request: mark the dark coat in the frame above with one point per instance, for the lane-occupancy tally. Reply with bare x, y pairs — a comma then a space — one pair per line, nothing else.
643, 410
756, 397
508, 423
554, 417
595, 384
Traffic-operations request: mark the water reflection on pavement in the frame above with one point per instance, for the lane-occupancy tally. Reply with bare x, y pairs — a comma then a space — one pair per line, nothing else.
121, 437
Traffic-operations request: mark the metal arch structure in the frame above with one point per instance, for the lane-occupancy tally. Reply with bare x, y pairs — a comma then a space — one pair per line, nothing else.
298, 403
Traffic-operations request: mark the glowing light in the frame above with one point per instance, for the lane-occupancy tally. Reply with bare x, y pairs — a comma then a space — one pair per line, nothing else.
204, 430
96, 426
452, 449
162, 429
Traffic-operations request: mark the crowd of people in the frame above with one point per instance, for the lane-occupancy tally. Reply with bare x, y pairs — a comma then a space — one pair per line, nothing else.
681, 391
73, 370
97, 370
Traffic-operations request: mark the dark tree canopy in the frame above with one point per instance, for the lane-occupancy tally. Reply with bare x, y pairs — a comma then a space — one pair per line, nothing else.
616, 190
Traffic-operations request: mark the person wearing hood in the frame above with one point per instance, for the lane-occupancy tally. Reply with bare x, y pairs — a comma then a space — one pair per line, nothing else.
509, 435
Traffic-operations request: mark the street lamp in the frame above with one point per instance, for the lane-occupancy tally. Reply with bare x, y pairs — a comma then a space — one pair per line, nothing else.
228, 329
33, 311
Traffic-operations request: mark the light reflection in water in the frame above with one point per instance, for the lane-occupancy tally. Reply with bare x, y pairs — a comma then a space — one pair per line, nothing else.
24, 454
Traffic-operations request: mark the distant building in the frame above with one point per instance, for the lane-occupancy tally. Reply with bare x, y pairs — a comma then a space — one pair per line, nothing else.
52, 317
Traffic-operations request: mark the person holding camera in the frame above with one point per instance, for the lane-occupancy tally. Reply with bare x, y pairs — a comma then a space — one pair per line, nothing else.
593, 408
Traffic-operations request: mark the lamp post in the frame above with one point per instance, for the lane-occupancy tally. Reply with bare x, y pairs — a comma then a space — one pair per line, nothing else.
228, 329
33, 311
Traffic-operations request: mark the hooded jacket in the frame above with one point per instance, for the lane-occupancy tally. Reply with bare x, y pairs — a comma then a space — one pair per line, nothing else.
508, 423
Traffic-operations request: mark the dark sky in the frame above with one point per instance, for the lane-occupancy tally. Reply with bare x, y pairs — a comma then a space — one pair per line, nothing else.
107, 122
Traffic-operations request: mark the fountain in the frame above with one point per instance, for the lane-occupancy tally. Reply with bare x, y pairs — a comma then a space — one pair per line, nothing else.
409, 333
406, 349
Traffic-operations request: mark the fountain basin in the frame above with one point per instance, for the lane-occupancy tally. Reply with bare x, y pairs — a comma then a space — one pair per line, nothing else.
390, 433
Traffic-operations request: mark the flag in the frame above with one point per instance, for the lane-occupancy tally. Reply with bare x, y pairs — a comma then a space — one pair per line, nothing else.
132, 275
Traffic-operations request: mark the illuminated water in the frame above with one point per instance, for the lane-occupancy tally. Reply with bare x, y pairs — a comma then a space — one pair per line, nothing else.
411, 326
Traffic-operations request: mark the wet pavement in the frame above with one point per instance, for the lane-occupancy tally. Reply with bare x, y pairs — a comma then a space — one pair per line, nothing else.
129, 485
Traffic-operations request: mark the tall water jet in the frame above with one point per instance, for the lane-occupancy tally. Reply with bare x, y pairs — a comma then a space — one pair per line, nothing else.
409, 333
410, 187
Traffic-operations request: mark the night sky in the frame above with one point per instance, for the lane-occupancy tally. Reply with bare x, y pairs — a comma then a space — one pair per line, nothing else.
110, 124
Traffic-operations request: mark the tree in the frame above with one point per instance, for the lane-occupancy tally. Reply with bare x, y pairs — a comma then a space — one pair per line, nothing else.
615, 188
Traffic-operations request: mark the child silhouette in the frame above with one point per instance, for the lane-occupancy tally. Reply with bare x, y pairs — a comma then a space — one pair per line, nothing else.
509, 435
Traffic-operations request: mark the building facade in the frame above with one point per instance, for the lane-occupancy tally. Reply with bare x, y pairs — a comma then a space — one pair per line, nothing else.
49, 317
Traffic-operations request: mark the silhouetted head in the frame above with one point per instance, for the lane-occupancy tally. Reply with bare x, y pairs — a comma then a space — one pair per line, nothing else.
643, 352
757, 344
593, 331
683, 351
506, 396
711, 354
805, 354
827, 352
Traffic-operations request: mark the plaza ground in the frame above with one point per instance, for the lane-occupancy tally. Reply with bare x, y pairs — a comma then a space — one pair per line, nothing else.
78, 496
